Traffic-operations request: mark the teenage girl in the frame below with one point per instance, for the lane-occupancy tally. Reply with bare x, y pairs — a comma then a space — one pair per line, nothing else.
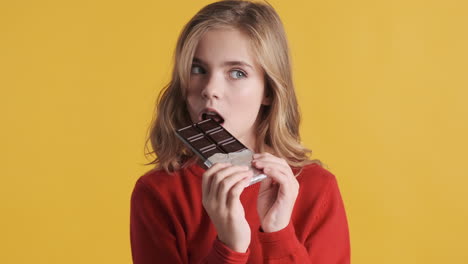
232, 59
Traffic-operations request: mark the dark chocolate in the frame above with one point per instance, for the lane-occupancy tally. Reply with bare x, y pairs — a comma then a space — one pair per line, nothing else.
208, 137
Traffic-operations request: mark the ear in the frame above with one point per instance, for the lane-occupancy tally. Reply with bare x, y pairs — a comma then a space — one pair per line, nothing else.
266, 100
267, 93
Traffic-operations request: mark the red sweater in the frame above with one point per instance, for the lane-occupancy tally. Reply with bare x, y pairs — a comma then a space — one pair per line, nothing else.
168, 223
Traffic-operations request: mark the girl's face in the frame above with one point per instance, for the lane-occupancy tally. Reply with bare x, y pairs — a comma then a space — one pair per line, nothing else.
226, 78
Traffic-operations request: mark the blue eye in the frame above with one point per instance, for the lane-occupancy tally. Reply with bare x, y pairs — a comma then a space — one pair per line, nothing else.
197, 69
237, 74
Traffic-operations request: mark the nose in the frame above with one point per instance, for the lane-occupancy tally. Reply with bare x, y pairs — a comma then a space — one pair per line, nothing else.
213, 87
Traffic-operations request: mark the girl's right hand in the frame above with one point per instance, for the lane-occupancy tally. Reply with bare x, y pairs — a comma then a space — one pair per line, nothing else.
222, 185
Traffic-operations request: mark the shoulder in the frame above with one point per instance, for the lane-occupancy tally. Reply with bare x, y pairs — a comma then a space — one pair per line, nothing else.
316, 183
148, 186
158, 178
316, 175
162, 185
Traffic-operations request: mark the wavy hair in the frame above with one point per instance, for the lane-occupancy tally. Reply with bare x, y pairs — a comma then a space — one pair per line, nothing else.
278, 122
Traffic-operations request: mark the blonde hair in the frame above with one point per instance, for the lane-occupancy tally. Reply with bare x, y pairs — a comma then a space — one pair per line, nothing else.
278, 123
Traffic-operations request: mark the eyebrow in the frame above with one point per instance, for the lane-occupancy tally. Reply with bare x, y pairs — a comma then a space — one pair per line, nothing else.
227, 63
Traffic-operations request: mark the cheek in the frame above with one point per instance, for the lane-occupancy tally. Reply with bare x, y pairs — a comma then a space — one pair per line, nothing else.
195, 85
246, 105
251, 94
192, 106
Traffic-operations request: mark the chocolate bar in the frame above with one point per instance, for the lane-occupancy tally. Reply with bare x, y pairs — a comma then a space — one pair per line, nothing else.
212, 143
208, 137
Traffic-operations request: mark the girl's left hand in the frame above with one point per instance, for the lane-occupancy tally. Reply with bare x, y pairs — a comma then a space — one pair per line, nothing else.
277, 194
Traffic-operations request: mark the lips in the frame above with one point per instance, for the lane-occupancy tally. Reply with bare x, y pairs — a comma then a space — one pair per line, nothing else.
212, 113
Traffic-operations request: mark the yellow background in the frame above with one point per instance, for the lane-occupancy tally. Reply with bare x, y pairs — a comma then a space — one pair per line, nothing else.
382, 87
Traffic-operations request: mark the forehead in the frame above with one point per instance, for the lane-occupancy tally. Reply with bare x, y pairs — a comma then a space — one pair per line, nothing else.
217, 46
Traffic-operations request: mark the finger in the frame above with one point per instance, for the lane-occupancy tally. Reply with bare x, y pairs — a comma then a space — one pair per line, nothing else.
228, 183
236, 190
220, 175
279, 172
208, 176
263, 154
288, 184
263, 162
269, 157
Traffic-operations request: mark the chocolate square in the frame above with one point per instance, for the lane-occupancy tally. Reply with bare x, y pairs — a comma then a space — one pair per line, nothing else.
190, 132
202, 143
208, 125
232, 146
220, 136
210, 152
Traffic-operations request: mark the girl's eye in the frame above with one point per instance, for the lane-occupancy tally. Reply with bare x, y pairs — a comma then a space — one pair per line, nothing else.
197, 69
237, 74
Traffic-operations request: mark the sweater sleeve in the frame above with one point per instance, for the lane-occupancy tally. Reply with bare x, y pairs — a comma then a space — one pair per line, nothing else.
154, 238
327, 238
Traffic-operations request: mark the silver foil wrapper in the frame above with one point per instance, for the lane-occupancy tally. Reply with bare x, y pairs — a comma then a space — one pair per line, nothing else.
241, 158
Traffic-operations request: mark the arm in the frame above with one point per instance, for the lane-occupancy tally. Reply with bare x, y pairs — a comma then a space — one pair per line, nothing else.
154, 238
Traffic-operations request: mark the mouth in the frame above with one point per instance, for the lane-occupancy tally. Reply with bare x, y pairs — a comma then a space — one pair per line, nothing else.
211, 113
